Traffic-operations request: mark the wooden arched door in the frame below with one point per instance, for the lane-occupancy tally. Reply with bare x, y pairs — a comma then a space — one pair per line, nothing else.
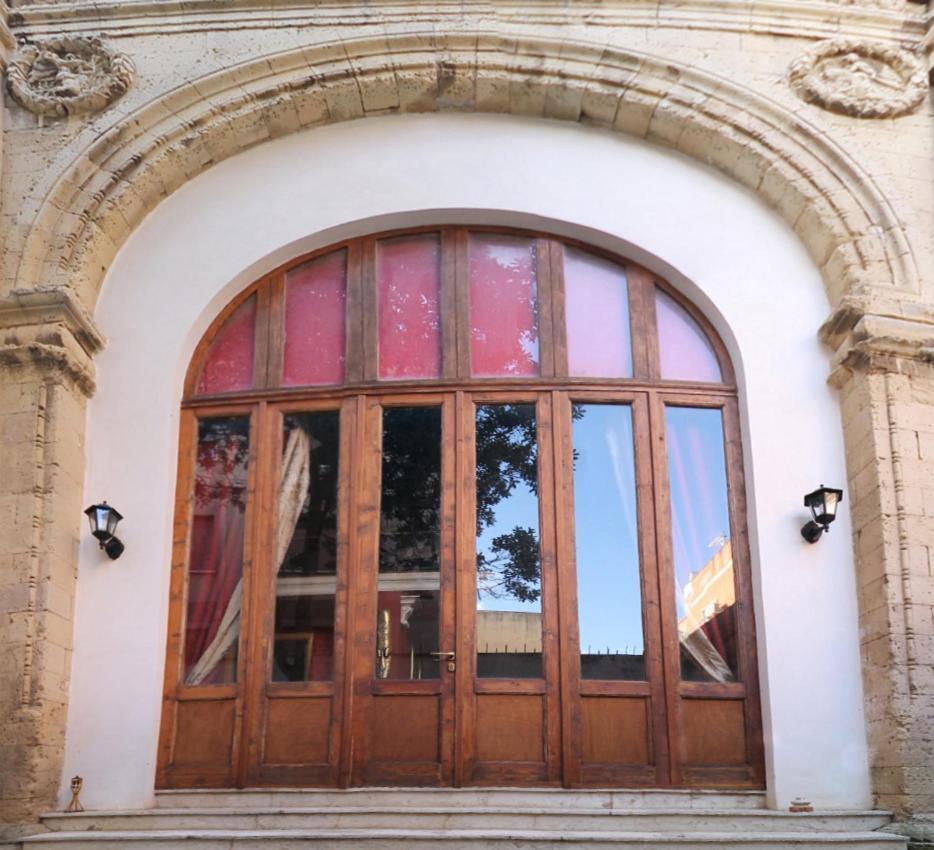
460, 507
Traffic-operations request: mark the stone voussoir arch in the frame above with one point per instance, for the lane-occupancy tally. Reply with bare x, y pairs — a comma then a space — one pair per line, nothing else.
839, 214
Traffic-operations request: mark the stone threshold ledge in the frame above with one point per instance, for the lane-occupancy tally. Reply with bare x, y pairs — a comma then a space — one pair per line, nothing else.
897, 21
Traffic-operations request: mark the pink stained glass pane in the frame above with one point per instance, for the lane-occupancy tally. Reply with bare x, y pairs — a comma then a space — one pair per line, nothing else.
409, 275
229, 364
315, 324
503, 306
684, 350
597, 313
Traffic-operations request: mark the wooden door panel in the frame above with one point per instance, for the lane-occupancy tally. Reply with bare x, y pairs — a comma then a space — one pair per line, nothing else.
714, 732
204, 733
510, 728
616, 730
298, 731
405, 729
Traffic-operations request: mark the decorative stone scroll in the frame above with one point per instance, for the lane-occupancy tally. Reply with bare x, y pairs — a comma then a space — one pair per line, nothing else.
68, 75
860, 79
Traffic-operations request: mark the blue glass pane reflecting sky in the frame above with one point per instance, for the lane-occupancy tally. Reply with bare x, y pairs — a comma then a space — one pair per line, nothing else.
697, 473
608, 586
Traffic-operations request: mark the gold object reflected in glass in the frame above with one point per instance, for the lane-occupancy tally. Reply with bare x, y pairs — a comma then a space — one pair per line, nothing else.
383, 647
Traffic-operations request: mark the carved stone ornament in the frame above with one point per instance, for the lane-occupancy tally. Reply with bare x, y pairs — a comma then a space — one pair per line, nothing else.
68, 75
861, 79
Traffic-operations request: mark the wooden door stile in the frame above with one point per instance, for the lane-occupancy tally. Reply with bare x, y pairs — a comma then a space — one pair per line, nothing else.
551, 668
570, 681
355, 352
669, 643
544, 279
466, 588
449, 305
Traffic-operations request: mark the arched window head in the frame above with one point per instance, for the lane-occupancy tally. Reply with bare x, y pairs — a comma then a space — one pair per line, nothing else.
456, 304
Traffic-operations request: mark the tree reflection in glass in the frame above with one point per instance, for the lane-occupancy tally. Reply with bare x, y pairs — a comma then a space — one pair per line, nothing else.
408, 604
703, 556
509, 584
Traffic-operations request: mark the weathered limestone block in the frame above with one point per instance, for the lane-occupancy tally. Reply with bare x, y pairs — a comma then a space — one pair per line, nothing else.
885, 370
46, 343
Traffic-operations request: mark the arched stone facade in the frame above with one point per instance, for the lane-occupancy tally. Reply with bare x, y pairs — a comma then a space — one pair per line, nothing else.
64, 228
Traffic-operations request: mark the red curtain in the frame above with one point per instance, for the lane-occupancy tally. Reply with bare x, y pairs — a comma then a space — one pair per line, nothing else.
216, 562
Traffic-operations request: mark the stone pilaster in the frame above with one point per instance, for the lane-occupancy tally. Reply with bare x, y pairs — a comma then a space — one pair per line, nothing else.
885, 372
46, 344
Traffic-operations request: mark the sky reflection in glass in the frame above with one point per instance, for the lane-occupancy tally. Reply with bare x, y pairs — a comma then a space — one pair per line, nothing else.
607, 547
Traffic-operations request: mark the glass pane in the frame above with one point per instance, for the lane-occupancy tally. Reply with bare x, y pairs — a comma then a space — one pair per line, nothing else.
229, 364
215, 560
306, 548
703, 555
503, 306
315, 332
509, 576
409, 544
408, 271
609, 591
597, 311
685, 352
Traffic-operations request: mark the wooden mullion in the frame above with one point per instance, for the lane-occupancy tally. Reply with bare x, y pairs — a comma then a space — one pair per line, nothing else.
559, 331
448, 305
466, 583
369, 412
551, 667
647, 508
643, 326
355, 355
462, 301
275, 334
568, 626
256, 618
448, 566
370, 310
544, 287
670, 643
343, 621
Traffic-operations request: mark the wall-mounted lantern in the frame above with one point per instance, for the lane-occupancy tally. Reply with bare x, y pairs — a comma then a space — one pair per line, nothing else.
823, 504
104, 519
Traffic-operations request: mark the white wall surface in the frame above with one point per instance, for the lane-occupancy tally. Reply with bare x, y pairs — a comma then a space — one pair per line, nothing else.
715, 241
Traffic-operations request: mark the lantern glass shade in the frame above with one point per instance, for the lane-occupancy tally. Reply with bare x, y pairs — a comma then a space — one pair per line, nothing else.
823, 504
103, 520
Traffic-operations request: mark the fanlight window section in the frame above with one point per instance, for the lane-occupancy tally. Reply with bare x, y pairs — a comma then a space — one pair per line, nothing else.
467, 461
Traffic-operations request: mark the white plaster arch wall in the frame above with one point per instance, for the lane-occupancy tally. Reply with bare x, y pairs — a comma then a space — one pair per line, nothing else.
705, 234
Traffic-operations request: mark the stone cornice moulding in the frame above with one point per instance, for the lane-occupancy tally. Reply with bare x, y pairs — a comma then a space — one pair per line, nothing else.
884, 344
817, 20
841, 216
47, 307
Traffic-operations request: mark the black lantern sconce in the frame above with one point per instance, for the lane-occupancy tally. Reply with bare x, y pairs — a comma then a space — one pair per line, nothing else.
823, 504
104, 519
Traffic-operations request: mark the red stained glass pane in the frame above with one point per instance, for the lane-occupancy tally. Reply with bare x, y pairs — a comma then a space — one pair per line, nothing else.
685, 352
597, 311
315, 327
229, 364
503, 306
408, 271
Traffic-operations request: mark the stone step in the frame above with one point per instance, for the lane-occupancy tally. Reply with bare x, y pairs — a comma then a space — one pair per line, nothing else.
473, 798
454, 839
675, 821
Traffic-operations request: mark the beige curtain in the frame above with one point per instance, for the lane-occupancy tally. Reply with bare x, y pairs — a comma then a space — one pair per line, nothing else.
293, 487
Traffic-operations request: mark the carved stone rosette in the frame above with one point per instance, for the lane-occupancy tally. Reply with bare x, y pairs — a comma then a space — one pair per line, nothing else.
860, 79
68, 75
